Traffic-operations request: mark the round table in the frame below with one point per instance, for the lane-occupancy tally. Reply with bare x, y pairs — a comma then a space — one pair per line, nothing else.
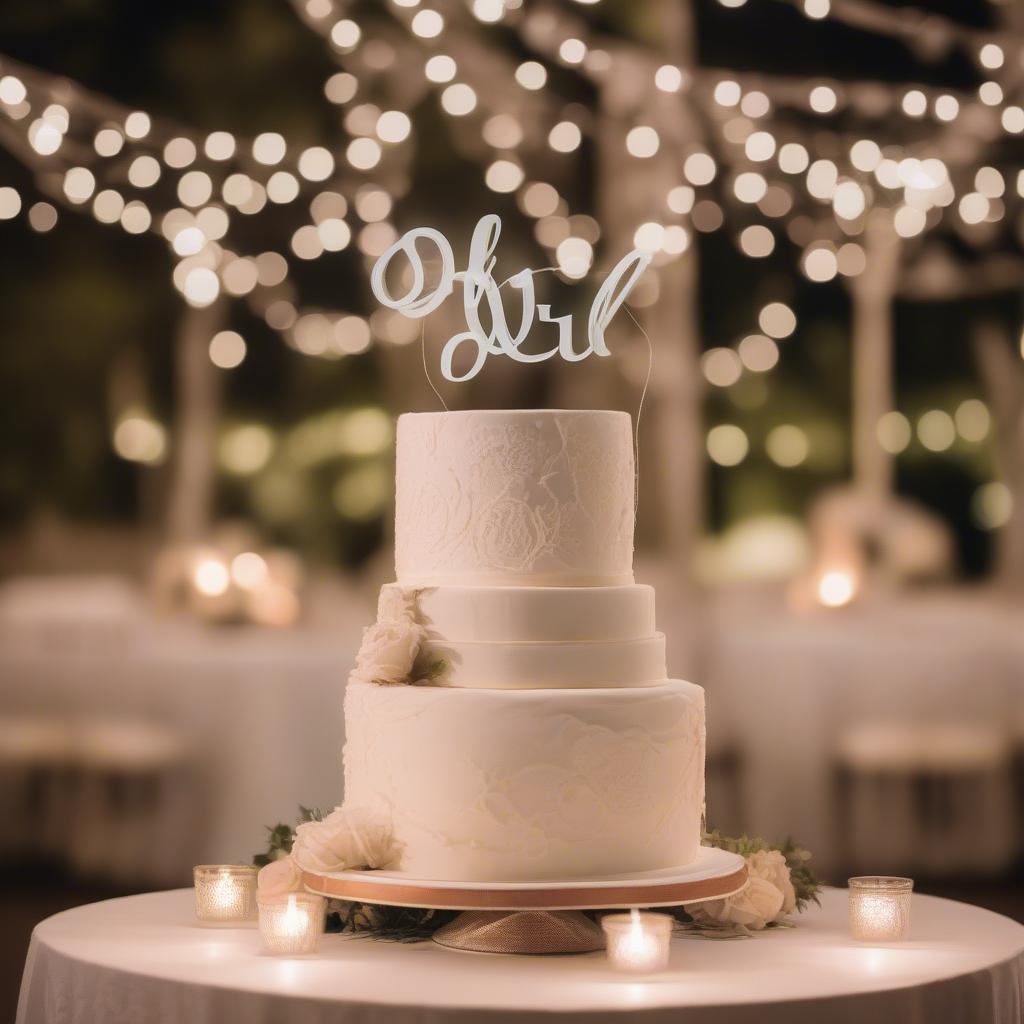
145, 958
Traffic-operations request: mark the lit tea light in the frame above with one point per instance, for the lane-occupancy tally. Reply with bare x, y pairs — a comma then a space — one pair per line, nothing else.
879, 908
836, 588
292, 924
225, 893
637, 942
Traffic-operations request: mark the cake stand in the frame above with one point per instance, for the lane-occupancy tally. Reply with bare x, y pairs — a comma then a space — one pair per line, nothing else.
536, 917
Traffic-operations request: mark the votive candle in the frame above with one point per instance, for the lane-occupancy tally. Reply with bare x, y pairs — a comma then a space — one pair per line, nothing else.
225, 893
879, 907
637, 942
291, 924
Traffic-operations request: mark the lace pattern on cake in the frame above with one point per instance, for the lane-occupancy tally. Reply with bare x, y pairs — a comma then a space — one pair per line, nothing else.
532, 497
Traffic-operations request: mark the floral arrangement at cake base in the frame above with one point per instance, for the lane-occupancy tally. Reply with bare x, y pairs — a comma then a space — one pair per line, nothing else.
780, 881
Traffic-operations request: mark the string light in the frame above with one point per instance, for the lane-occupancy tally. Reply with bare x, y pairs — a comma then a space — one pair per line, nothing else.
269, 148
441, 68
936, 430
79, 183
363, 154
917, 185
345, 35
144, 171
894, 432
699, 169
758, 353
793, 158
334, 234
392, 126
642, 141
12, 90
219, 146
458, 99
282, 187
42, 217
727, 444
108, 142
136, 218
427, 24
178, 153
757, 241
668, 78
108, 206
502, 131
10, 203
777, 320
227, 349
721, 367
823, 99
787, 445
341, 87
727, 93
137, 125
564, 137
531, 75
503, 176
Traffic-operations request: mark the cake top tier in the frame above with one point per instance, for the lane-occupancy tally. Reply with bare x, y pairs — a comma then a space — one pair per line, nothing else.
517, 497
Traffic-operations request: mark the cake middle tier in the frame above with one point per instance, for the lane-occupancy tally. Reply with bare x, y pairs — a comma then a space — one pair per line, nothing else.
481, 785
557, 614
502, 665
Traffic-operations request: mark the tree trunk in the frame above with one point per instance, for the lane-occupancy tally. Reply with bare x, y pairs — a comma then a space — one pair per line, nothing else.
197, 417
872, 341
1003, 377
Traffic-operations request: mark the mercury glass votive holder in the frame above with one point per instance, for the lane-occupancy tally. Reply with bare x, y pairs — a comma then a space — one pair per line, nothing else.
225, 893
638, 942
879, 907
291, 924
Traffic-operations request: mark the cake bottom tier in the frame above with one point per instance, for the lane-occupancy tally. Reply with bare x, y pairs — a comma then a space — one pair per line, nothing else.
510, 785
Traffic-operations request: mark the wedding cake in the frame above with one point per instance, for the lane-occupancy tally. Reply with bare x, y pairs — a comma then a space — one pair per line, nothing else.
510, 714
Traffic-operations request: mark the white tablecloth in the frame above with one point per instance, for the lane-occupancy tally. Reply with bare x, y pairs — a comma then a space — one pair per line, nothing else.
782, 686
145, 958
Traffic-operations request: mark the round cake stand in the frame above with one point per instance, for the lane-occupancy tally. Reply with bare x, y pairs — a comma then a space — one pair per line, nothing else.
536, 917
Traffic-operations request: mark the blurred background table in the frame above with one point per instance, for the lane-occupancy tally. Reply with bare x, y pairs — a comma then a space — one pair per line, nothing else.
253, 716
940, 674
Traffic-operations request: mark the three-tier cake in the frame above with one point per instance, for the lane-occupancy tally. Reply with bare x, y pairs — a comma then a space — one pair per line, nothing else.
541, 739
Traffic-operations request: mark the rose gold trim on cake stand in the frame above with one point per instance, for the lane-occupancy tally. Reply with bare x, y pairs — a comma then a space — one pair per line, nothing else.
714, 875
423, 894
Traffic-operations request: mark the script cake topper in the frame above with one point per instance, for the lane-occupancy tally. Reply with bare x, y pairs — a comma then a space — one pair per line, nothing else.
479, 286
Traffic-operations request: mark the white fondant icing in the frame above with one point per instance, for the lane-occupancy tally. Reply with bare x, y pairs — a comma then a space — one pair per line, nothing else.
534, 613
515, 497
530, 784
497, 665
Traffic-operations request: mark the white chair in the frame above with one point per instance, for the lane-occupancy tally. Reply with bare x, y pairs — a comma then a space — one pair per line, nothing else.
928, 798
36, 754
134, 802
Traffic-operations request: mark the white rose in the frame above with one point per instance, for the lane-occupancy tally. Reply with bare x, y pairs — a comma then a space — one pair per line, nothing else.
348, 838
772, 867
753, 906
279, 877
396, 604
388, 652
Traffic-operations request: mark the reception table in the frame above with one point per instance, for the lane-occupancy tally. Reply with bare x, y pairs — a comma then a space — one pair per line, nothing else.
145, 958
783, 686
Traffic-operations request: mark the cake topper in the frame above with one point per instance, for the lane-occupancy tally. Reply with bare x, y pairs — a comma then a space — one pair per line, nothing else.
479, 287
